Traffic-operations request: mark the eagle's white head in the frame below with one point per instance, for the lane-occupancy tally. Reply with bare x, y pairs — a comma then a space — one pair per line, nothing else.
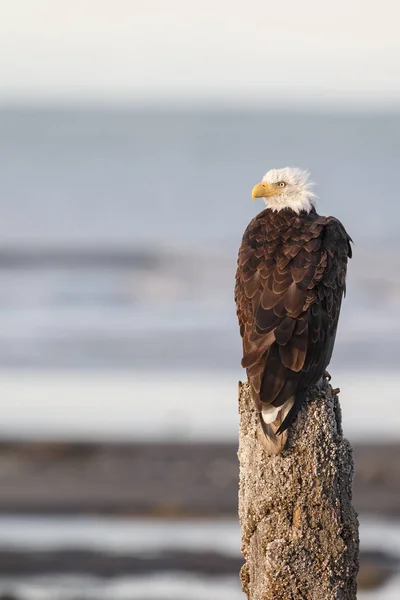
286, 188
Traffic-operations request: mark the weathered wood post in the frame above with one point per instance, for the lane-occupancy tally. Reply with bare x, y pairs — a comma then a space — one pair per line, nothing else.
299, 529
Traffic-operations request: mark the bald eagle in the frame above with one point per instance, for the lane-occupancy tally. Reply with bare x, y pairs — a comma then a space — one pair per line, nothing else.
290, 280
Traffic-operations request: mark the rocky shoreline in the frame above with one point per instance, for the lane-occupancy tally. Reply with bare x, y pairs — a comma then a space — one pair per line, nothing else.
159, 480
376, 567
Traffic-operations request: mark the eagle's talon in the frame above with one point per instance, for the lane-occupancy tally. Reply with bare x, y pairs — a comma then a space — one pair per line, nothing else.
336, 391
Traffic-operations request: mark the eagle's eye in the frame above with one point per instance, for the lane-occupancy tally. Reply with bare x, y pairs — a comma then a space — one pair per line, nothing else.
281, 184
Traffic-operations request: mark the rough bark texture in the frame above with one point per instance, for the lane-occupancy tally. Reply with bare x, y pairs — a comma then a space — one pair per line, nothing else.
299, 529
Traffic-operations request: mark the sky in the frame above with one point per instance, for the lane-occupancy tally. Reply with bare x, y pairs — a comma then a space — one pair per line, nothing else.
243, 52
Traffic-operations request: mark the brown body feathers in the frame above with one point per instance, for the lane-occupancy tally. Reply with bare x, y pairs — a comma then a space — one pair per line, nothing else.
290, 281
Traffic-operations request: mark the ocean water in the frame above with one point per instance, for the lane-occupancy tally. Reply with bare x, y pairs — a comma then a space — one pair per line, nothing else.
119, 232
183, 179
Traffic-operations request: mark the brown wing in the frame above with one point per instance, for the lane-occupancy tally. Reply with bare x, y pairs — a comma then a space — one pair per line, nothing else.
288, 292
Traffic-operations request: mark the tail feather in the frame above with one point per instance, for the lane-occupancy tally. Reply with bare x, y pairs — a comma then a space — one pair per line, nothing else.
276, 432
272, 440
292, 413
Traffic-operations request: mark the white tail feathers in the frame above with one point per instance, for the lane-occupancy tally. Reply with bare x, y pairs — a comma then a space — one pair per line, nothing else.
270, 413
271, 419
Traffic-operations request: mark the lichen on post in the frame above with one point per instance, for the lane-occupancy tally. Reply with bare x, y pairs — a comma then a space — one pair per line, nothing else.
299, 529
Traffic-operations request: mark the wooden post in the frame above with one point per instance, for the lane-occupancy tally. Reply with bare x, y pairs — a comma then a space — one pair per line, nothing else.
299, 529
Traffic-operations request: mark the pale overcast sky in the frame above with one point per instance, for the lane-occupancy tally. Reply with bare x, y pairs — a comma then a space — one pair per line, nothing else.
239, 52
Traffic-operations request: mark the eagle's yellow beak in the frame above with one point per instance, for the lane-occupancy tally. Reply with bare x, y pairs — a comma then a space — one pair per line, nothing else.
261, 190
